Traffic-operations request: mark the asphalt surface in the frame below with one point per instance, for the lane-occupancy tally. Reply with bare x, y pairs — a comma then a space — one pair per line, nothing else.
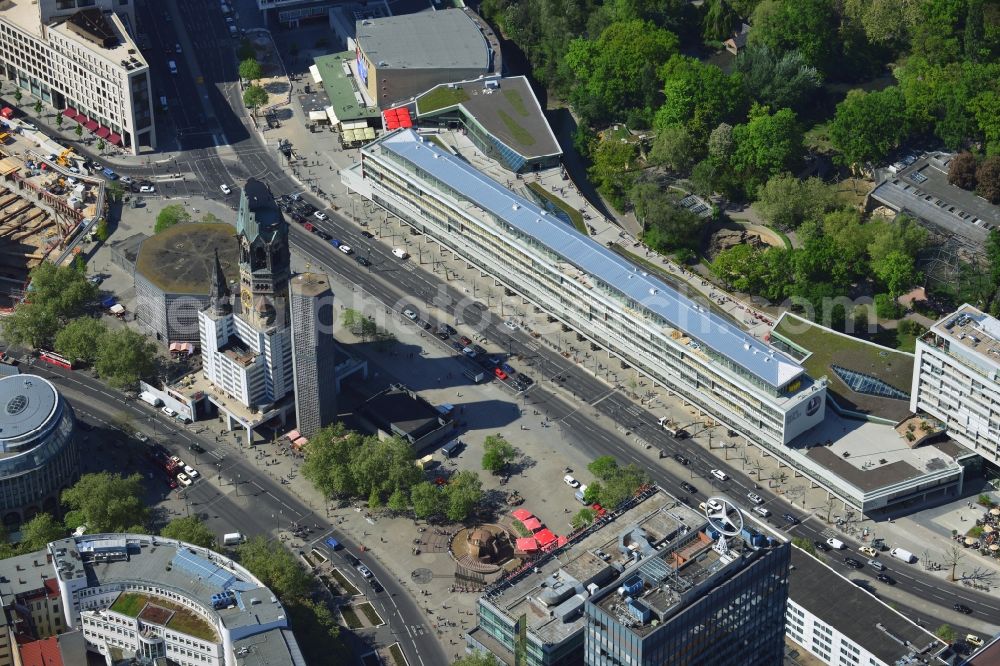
267, 505
208, 113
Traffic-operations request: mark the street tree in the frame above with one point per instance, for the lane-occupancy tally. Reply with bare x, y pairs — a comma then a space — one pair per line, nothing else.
254, 97
169, 216
58, 294
189, 529
81, 339
79, 130
59, 121
277, 568
106, 502
951, 557
101, 145
946, 633
38, 107
464, 492
962, 171
328, 457
398, 501
18, 96
583, 518
805, 544
124, 357
114, 190
427, 500
250, 70
988, 179
604, 467
39, 531
497, 453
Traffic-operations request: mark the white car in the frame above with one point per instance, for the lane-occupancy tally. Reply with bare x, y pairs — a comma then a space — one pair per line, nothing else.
346, 249
364, 571
177, 460
225, 189
184, 479
169, 412
400, 253
755, 498
147, 189
510, 324
319, 215
410, 314
177, 47
570, 481
720, 475
191, 471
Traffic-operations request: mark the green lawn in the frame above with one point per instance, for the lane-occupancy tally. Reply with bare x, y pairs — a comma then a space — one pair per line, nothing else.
397, 655
373, 617
827, 347
351, 618
574, 215
516, 101
129, 603
521, 135
440, 98
344, 584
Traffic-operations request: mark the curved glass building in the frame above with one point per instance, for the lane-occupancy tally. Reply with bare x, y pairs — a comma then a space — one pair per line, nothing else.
38, 451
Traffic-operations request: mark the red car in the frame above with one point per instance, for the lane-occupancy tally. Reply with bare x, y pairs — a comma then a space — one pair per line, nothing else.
465, 341
170, 482
308, 227
499, 373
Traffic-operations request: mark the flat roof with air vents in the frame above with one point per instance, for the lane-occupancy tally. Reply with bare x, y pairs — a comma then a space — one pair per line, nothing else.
972, 334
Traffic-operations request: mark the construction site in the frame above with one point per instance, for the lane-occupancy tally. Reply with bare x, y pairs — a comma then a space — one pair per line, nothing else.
46, 205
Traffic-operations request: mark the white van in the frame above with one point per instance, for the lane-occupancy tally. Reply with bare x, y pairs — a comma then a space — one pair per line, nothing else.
150, 399
903, 554
836, 544
720, 475
172, 66
400, 253
233, 539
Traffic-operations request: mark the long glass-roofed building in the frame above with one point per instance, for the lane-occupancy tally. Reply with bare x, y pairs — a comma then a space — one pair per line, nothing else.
703, 357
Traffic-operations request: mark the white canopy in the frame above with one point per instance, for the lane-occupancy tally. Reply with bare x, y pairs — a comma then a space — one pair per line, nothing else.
314, 70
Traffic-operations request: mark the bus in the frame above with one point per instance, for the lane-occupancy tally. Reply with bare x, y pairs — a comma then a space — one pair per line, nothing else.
53, 358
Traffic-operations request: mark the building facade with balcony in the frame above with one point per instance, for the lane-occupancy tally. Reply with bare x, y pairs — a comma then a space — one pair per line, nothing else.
956, 379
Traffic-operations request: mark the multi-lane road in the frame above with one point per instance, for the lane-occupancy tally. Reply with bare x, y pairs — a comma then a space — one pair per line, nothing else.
240, 495
206, 112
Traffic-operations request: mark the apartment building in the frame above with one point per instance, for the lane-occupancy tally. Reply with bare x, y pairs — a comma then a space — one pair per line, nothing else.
956, 379
694, 352
79, 57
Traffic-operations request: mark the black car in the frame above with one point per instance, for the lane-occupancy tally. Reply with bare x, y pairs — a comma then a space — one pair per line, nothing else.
478, 349
688, 487
681, 459
353, 561
519, 385
322, 234
367, 234
197, 448
853, 563
886, 578
791, 519
376, 586
361, 260
526, 379
447, 329
821, 545
962, 608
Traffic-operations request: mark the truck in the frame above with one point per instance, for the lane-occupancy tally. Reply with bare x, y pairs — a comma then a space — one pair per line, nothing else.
904, 555
580, 492
150, 399
233, 539
672, 429
450, 449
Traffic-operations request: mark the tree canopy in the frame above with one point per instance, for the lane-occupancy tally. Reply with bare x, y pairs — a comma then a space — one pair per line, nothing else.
81, 339
169, 216
775, 79
125, 356
56, 295
277, 568
766, 145
254, 97
786, 202
497, 453
698, 96
250, 69
106, 502
867, 126
808, 26
189, 529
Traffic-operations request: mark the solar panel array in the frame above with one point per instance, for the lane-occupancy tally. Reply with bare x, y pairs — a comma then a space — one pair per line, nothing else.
869, 385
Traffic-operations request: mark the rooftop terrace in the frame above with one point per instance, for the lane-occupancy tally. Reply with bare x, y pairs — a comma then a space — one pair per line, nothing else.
972, 331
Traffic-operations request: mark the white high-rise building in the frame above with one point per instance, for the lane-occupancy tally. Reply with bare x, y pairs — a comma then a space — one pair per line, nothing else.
80, 57
247, 354
956, 378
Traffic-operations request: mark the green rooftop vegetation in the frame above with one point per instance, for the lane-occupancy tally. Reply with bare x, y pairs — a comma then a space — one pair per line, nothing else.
182, 621
521, 135
440, 98
186, 622
516, 101
130, 604
574, 215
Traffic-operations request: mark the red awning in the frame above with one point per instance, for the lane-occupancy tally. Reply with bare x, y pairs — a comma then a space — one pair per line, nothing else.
103, 132
91, 125
521, 514
526, 544
545, 537
293, 435
561, 541
403, 114
115, 138
532, 523
69, 112
7, 112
